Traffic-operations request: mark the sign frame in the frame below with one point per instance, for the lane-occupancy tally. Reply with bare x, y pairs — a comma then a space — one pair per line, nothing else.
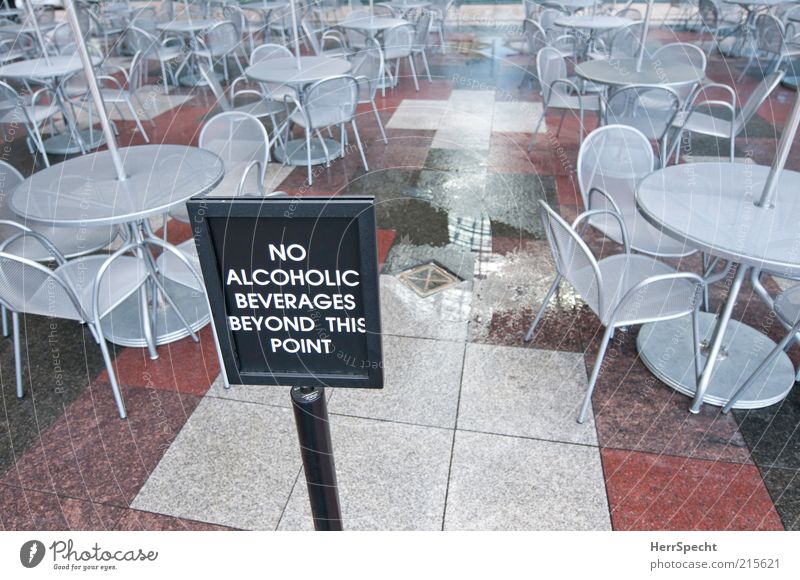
361, 210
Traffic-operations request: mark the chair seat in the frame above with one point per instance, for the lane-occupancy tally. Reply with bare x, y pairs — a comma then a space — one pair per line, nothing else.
703, 123
787, 305
642, 235
165, 53
125, 275
37, 114
395, 53
622, 272
262, 108
111, 95
559, 100
71, 242
322, 117
172, 268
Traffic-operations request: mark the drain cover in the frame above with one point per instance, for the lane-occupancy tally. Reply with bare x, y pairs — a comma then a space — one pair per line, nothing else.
427, 279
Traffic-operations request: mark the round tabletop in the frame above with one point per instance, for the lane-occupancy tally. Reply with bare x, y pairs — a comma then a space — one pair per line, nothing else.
711, 206
759, 2
574, 4
41, 68
84, 191
374, 24
409, 4
284, 70
622, 71
27, 28
593, 21
186, 26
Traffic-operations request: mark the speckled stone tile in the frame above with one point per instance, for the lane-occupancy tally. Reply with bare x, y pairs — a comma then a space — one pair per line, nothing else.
442, 316
508, 483
136, 520
772, 433
517, 117
391, 476
418, 388
784, 489
417, 114
23, 509
661, 492
90, 453
524, 392
274, 395
233, 464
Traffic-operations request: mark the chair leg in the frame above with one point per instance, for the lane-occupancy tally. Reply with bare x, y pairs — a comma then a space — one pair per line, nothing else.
539, 314
4, 315
138, 122
413, 71
308, 151
112, 377
17, 354
587, 400
378, 119
425, 63
561, 122
536, 129
358, 142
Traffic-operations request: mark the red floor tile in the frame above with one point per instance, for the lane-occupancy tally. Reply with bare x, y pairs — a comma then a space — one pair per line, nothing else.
135, 520
22, 509
92, 454
660, 492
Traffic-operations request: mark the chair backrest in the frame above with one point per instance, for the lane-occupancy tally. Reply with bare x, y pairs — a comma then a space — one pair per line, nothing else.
59, 38
770, 34
146, 19
422, 29
222, 38
535, 36
573, 258
239, 139
547, 20
310, 35
626, 41
709, 14
12, 107
236, 15
269, 51
383, 10
399, 39
632, 13
331, 101
142, 41
650, 109
613, 158
550, 66
757, 98
680, 53
357, 15
368, 63
213, 83
10, 178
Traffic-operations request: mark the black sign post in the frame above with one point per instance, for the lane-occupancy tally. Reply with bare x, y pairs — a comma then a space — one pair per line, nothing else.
293, 289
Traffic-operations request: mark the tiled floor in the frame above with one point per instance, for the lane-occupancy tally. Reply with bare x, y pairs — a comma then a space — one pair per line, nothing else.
475, 429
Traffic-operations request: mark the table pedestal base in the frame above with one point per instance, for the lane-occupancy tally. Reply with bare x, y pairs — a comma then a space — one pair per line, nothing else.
666, 349
65, 143
295, 152
123, 326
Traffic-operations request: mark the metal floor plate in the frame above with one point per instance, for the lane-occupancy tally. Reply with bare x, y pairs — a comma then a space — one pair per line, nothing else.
428, 279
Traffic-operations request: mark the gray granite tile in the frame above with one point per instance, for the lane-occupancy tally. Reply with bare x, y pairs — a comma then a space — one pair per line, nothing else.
524, 392
422, 379
508, 483
233, 464
391, 476
274, 395
443, 316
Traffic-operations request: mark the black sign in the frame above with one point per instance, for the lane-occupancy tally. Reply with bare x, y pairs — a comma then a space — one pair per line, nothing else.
293, 288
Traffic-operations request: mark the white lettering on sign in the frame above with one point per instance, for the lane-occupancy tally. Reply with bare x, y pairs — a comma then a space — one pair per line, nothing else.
302, 297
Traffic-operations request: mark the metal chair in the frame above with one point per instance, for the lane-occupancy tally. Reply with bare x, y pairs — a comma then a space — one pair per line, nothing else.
169, 51
650, 109
772, 45
265, 52
248, 28
398, 43
699, 116
33, 112
118, 93
611, 162
720, 21
682, 54
421, 32
559, 92
626, 42
368, 68
318, 37
440, 10
330, 102
356, 39
622, 290
535, 40
84, 289
219, 43
241, 141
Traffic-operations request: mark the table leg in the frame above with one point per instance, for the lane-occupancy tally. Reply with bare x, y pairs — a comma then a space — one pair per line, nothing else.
716, 339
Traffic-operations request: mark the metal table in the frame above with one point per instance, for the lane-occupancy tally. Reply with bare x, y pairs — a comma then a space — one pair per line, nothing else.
84, 191
712, 206
405, 6
593, 24
284, 71
748, 27
622, 72
372, 26
49, 71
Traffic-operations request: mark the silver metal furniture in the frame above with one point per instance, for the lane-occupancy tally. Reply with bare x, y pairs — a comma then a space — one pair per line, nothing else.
699, 116
622, 290
398, 43
368, 68
686, 56
650, 109
85, 289
168, 52
33, 114
559, 92
219, 43
611, 162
